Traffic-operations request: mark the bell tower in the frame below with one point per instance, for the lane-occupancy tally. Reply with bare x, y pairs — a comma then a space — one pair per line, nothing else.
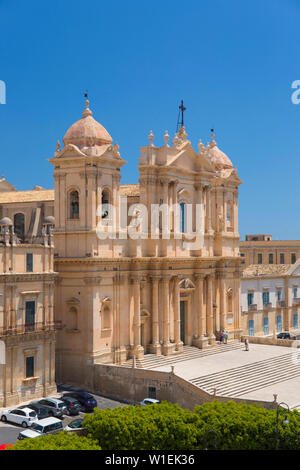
87, 182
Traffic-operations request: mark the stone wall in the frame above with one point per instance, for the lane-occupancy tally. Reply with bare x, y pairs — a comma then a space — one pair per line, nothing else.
132, 386
269, 341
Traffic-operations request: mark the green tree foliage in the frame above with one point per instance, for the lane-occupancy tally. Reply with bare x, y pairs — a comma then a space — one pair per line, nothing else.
169, 427
151, 427
247, 427
61, 441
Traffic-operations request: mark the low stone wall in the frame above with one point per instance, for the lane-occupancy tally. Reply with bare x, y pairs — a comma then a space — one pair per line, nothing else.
132, 386
269, 341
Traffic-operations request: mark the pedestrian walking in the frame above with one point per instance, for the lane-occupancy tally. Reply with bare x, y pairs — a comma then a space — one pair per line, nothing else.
221, 337
246, 344
225, 337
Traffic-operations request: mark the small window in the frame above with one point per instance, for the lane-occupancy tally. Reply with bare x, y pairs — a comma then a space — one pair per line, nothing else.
74, 205
29, 366
250, 298
293, 258
30, 315
281, 258
19, 225
105, 204
152, 392
295, 292
266, 297
279, 295
182, 217
29, 262
242, 254
259, 258
271, 258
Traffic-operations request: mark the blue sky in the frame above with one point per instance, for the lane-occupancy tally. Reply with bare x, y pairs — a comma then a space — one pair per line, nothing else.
232, 62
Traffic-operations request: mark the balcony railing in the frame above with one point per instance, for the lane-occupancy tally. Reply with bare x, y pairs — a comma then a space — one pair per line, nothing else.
296, 301
29, 328
252, 307
267, 305
280, 303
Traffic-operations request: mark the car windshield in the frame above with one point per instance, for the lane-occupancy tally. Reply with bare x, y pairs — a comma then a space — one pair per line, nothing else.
37, 427
60, 405
32, 413
76, 424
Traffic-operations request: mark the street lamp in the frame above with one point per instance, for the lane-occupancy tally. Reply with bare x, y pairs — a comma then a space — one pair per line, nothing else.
285, 421
215, 441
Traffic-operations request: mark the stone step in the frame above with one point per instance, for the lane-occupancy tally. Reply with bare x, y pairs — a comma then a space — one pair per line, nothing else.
151, 361
242, 380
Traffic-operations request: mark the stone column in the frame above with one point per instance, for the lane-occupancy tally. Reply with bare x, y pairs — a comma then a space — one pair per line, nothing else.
208, 208
176, 306
167, 346
201, 341
222, 302
138, 350
209, 310
155, 347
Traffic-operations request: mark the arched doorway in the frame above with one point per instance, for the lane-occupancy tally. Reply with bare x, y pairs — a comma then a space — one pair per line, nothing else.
144, 329
187, 288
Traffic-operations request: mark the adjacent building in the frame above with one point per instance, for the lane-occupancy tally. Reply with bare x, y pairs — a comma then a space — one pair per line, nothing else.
270, 299
27, 326
262, 249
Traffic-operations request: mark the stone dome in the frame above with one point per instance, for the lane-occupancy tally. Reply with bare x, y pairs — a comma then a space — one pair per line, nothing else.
87, 132
218, 158
6, 221
49, 220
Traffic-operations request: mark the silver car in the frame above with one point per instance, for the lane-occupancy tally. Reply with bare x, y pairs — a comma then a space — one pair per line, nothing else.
55, 406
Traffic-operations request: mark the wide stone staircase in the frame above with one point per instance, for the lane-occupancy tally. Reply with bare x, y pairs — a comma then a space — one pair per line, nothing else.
242, 380
153, 361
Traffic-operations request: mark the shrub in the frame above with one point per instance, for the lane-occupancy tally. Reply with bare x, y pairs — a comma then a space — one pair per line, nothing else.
62, 441
247, 427
153, 427
169, 427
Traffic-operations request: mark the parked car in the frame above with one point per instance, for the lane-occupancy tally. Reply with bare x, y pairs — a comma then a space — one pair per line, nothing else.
55, 406
286, 335
149, 401
23, 416
75, 426
40, 410
73, 406
86, 400
42, 427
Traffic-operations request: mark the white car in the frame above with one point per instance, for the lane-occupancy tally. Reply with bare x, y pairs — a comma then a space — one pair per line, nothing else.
149, 401
42, 428
24, 417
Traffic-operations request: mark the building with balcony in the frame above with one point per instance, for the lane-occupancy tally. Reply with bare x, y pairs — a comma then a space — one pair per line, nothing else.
27, 325
270, 297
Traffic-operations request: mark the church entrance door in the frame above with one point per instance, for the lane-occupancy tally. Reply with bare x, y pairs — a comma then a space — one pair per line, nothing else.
182, 320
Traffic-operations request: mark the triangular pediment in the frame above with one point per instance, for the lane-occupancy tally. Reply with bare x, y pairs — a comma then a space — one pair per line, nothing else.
188, 159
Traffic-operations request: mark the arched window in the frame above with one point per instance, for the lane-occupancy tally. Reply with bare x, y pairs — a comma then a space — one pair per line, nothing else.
19, 225
73, 320
105, 204
74, 205
182, 217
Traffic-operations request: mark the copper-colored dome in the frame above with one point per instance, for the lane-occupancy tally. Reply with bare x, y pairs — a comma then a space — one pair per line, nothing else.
87, 131
218, 158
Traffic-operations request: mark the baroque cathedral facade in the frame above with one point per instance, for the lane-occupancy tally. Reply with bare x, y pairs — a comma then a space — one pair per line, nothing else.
106, 296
